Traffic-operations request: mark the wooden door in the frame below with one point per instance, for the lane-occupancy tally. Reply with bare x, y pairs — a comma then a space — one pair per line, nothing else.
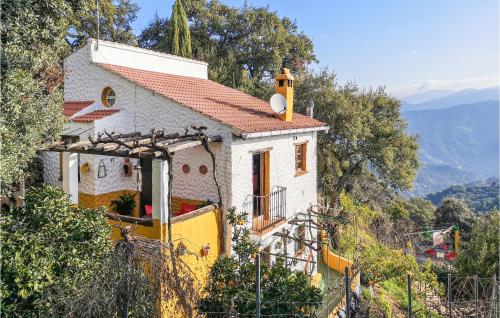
261, 186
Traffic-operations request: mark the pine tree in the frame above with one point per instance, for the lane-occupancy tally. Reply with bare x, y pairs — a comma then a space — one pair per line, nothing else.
180, 37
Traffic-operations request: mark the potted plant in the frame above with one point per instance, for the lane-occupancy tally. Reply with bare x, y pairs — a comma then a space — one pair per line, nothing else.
125, 204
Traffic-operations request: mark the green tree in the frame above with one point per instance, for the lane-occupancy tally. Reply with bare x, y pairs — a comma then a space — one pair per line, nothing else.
480, 255
244, 47
115, 23
454, 211
180, 37
366, 137
284, 292
422, 212
45, 244
32, 45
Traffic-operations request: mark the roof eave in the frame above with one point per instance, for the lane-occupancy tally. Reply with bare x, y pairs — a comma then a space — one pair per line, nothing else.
249, 135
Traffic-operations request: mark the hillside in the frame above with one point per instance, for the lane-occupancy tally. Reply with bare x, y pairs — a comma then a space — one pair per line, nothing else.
444, 100
482, 196
457, 144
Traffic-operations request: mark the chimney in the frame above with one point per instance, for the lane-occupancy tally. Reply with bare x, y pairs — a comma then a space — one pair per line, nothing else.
284, 86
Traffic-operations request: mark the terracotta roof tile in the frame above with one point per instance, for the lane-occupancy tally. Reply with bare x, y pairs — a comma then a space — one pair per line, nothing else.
72, 107
226, 105
95, 115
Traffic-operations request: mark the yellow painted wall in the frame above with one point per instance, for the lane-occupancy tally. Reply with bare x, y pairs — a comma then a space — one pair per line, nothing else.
337, 263
194, 230
151, 232
94, 201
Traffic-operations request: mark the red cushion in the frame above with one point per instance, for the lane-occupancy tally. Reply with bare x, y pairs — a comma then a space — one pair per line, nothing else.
149, 209
187, 207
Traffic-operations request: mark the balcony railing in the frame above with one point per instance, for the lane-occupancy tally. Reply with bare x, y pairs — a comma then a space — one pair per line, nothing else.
267, 210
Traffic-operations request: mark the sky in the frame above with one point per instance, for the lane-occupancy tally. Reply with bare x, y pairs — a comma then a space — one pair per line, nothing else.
406, 46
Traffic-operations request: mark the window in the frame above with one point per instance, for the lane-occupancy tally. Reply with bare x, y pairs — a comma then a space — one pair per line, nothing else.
300, 237
300, 158
108, 97
281, 83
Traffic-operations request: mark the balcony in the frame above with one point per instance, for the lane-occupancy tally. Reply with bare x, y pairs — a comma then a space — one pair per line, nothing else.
268, 210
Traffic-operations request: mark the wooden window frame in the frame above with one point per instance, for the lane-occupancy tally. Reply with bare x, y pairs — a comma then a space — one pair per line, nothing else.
302, 168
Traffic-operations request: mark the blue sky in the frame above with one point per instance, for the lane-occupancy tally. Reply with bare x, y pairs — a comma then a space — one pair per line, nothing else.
403, 45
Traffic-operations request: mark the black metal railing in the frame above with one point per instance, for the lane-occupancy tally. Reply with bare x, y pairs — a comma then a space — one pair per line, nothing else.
267, 210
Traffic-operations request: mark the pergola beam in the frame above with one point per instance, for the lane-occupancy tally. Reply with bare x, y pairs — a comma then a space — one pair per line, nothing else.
133, 145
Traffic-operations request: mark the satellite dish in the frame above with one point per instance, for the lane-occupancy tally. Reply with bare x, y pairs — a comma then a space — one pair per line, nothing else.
278, 103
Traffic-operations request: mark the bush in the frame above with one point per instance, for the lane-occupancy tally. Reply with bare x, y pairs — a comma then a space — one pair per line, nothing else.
284, 292
47, 243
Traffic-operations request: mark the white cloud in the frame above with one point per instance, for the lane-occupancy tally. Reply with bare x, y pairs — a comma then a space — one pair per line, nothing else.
455, 85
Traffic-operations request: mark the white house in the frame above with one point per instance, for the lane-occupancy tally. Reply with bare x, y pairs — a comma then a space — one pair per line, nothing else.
266, 163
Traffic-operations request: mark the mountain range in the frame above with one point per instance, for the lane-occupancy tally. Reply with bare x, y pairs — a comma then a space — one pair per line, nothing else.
458, 135
439, 99
481, 196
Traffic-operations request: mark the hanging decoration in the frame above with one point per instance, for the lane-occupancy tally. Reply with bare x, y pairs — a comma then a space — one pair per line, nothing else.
203, 169
101, 172
85, 168
138, 178
127, 167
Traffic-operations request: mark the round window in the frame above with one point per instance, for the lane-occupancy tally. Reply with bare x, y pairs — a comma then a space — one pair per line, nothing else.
108, 97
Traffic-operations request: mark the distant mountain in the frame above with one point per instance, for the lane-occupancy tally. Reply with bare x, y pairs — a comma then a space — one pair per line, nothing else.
458, 145
481, 196
433, 178
466, 96
426, 96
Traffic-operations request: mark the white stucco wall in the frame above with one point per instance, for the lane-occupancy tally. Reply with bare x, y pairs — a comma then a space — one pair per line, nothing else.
125, 55
301, 190
141, 110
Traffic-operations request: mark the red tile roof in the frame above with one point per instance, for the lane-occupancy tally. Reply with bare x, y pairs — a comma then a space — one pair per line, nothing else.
226, 105
72, 107
95, 115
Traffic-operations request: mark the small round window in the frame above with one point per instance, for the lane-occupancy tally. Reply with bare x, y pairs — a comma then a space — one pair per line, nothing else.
108, 97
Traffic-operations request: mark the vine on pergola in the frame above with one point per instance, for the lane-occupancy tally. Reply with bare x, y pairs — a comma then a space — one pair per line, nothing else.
155, 145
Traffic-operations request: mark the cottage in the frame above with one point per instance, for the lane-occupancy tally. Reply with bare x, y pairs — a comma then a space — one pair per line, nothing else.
265, 162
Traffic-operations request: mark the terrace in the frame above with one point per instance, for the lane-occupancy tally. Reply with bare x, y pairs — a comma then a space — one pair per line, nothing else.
161, 190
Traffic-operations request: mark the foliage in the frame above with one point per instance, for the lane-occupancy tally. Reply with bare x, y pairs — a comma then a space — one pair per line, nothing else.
421, 211
125, 204
32, 44
455, 211
479, 196
180, 37
47, 243
383, 265
480, 255
233, 278
366, 137
244, 47
115, 21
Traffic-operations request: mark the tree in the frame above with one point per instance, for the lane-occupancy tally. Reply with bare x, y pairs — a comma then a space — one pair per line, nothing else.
481, 254
180, 37
366, 137
455, 211
32, 45
231, 283
115, 23
47, 243
422, 212
244, 47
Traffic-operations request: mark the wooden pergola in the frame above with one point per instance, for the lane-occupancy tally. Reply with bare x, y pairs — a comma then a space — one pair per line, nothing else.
157, 144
